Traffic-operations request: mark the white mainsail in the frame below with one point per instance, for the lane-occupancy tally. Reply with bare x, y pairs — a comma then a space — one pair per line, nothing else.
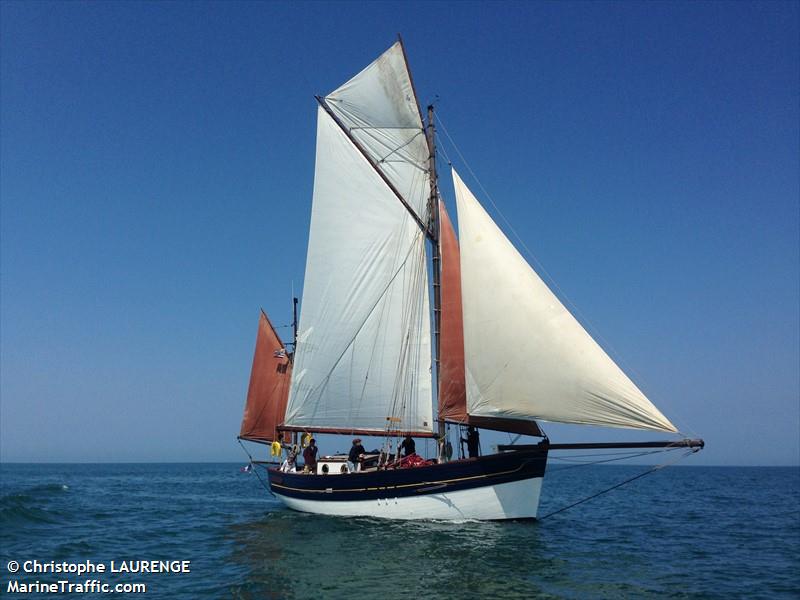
364, 350
526, 356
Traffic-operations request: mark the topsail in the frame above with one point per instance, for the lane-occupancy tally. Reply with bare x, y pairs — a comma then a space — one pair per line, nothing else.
379, 110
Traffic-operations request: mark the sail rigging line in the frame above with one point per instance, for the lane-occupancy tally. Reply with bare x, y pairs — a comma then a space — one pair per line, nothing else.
620, 454
410, 357
432, 221
411, 79
408, 362
618, 485
254, 468
377, 134
366, 318
398, 390
539, 264
400, 147
323, 102
385, 308
618, 457
415, 184
441, 147
407, 325
594, 331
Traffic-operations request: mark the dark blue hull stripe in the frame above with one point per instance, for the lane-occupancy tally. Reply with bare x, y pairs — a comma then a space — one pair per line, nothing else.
418, 481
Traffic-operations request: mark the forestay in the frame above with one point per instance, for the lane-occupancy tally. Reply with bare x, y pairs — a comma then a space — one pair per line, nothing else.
526, 356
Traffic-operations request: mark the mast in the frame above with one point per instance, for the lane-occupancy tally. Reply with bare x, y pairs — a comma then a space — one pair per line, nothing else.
433, 227
433, 235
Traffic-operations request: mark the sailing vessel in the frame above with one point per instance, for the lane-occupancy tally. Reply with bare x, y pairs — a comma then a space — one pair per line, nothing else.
499, 349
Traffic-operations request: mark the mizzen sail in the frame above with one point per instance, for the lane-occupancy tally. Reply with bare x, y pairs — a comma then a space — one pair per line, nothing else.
269, 386
526, 356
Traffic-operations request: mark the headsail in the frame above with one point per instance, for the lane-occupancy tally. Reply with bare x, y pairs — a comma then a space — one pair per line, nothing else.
269, 386
526, 356
363, 359
452, 380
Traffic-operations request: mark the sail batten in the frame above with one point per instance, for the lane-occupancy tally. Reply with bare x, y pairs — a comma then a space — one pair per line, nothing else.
526, 356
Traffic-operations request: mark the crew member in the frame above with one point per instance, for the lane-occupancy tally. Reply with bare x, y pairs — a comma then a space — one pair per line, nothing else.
310, 455
408, 446
355, 454
473, 442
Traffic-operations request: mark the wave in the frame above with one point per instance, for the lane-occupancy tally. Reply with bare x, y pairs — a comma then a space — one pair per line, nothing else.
31, 505
47, 488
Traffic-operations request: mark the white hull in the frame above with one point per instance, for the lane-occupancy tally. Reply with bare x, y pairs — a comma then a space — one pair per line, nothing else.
513, 500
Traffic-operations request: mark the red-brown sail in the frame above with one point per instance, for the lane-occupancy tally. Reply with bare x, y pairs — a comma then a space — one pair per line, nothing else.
269, 387
452, 379
452, 387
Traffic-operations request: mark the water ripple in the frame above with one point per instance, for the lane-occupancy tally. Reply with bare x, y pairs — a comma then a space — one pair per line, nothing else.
682, 533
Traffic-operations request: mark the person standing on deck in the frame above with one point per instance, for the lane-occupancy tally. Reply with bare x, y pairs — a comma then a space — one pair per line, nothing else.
355, 454
408, 446
310, 455
473, 442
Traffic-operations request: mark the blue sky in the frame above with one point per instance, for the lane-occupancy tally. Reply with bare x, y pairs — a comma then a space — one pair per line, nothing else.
156, 166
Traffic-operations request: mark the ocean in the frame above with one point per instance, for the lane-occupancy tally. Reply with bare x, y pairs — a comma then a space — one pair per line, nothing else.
682, 532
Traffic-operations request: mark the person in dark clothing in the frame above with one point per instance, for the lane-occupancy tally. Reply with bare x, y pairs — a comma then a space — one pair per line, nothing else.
355, 452
310, 455
408, 446
473, 442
